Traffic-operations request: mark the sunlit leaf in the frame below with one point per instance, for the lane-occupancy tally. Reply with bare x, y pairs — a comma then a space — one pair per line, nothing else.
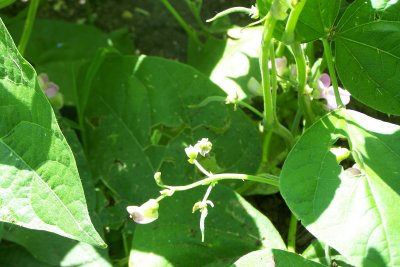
352, 209
40, 186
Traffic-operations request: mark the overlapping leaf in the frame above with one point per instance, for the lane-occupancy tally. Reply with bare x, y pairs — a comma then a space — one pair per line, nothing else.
354, 210
139, 118
39, 183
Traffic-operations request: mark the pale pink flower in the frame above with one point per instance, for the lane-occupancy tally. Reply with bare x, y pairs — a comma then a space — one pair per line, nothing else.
327, 92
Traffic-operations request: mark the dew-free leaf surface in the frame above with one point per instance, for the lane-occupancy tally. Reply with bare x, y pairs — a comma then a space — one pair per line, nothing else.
40, 186
368, 55
138, 120
352, 210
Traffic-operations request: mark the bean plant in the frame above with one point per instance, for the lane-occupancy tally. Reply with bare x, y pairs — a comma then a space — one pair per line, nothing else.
106, 153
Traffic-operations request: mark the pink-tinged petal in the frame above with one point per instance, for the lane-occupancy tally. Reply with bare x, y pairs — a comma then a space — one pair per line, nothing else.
51, 90
331, 100
325, 79
146, 213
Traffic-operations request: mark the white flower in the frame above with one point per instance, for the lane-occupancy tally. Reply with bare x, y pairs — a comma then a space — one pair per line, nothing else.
203, 146
327, 92
192, 152
146, 213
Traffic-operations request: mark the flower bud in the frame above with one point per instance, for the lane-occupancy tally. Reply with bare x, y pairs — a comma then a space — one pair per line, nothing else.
146, 213
157, 177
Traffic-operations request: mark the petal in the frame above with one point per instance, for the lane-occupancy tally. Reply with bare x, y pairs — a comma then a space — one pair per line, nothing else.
51, 90
325, 79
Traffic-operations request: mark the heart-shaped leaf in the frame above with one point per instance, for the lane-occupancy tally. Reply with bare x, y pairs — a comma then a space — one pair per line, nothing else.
40, 186
352, 210
368, 55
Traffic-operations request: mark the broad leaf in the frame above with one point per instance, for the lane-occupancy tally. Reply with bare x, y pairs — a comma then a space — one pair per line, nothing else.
352, 210
230, 63
274, 257
153, 97
316, 252
317, 19
232, 228
39, 183
60, 49
56, 250
368, 55
12, 255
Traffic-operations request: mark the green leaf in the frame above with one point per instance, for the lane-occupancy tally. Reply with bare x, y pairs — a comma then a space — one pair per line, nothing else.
367, 56
60, 48
40, 185
56, 250
230, 63
153, 96
317, 19
316, 252
274, 257
5, 3
12, 255
353, 210
232, 228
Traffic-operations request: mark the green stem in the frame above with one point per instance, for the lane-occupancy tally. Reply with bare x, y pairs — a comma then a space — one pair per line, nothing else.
332, 73
292, 233
292, 22
250, 107
210, 99
201, 168
280, 50
196, 13
268, 179
33, 6
274, 81
191, 33
285, 134
304, 100
269, 26
328, 255
231, 10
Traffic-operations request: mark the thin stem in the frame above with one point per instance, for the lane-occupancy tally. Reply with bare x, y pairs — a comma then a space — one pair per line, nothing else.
292, 21
196, 14
33, 6
231, 10
280, 50
274, 81
251, 108
332, 73
269, 118
268, 179
191, 33
292, 233
208, 192
328, 255
286, 135
201, 168
210, 99
304, 100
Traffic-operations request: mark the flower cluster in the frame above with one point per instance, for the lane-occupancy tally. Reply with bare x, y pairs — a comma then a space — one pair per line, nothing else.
148, 212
